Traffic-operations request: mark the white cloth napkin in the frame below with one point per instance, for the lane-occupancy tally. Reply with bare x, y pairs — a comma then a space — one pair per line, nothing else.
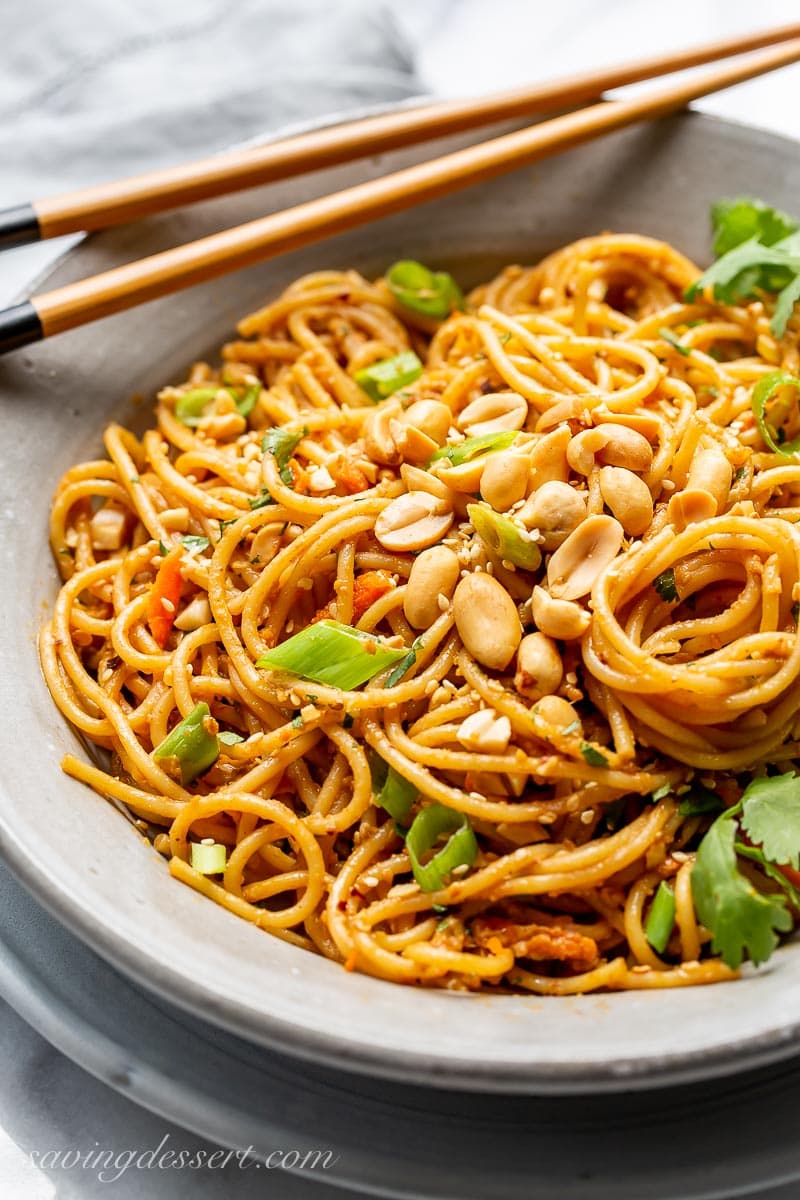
94, 89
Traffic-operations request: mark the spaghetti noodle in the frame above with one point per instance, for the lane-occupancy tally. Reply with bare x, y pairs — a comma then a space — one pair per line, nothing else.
571, 567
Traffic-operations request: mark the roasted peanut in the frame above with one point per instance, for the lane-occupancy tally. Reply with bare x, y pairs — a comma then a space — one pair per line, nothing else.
558, 712
628, 497
576, 564
562, 619
707, 488
417, 480
485, 732
412, 444
466, 477
505, 479
196, 614
487, 620
555, 509
609, 445
379, 443
107, 528
434, 573
431, 417
413, 522
223, 426
549, 458
539, 667
493, 413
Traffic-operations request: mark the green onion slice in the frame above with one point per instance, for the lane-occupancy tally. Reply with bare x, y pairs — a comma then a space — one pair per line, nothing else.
504, 538
392, 792
432, 293
191, 744
332, 653
383, 379
487, 443
661, 918
460, 849
247, 401
775, 386
190, 406
209, 860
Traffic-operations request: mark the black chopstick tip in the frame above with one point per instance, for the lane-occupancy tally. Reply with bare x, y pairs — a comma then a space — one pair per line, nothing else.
19, 326
19, 226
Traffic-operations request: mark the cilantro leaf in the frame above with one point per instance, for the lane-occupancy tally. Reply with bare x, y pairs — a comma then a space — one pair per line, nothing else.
262, 500
592, 756
667, 335
757, 855
747, 269
736, 221
771, 816
666, 587
700, 800
740, 919
759, 251
229, 738
282, 444
193, 542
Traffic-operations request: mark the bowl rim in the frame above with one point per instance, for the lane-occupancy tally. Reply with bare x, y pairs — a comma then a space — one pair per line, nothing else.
159, 977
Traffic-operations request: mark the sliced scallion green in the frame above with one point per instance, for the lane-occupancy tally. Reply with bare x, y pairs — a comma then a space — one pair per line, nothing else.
209, 860
775, 385
190, 406
661, 918
432, 293
460, 849
383, 379
332, 653
504, 538
247, 401
392, 792
192, 744
487, 443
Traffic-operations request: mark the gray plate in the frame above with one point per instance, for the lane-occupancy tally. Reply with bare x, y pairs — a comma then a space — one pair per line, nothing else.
394, 1140
79, 856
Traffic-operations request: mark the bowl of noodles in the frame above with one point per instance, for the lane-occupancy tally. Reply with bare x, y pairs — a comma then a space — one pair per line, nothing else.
425, 634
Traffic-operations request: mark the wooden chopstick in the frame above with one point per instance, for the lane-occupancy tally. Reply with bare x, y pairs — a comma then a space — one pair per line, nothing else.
142, 195
233, 249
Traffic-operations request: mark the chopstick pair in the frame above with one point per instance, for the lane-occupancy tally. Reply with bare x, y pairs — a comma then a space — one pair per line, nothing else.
233, 249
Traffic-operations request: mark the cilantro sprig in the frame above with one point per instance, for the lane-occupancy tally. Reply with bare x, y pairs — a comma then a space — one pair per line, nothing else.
742, 920
758, 250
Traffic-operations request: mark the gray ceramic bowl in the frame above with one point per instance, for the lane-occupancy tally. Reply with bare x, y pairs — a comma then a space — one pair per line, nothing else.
79, 855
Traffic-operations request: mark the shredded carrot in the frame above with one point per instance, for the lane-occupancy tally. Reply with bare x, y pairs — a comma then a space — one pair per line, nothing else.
351, 477
300, 477
162, 603
367, 588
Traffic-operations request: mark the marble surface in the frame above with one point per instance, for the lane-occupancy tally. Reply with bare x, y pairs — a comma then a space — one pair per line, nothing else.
460, 46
